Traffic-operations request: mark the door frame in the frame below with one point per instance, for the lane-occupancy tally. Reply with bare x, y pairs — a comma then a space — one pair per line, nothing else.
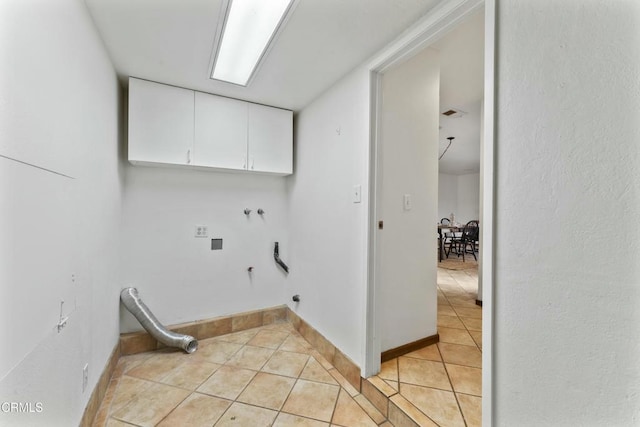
442, 19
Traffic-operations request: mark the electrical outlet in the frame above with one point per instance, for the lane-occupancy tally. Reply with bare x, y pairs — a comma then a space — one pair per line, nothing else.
85, 377
201, 231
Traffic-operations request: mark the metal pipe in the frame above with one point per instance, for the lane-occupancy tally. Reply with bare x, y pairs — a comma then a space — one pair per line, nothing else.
276, 256
133, 303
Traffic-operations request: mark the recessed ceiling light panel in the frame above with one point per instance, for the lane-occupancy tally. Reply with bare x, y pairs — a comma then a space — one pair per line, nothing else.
249, 27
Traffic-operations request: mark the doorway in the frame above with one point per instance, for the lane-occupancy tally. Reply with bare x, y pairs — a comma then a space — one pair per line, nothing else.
432, 28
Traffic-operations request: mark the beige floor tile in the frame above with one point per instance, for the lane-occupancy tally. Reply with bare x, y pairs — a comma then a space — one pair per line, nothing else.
465, 380
157, 367
446, 309
449, 322
296, 344
190, 374
343, 382
241, 337
321, 359
227, 382
471, 409
381, 385
475, 313
428, 353
370, 409
477, 337
349, 414
268, 338
126, 389
455, 336
197, 410
286, 363
312, 400
423, 372
389, 370
112, 422
403, 413
314, 371
472, 324
151, 406
394, 384
243, 415
439, 405
267, 390
134, 360
250, 357
288, 420
457, 354
216, 351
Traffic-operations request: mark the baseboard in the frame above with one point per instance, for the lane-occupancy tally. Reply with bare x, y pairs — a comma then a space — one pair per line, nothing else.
408, 348
100, 389
479, 302
139, 342
345, 366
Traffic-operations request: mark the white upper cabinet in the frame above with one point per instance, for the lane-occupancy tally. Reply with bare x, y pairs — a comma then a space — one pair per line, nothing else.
160, 123
220, 132
270, 140
174, 126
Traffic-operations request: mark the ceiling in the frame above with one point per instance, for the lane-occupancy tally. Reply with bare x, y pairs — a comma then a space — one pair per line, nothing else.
171, 41
461, 88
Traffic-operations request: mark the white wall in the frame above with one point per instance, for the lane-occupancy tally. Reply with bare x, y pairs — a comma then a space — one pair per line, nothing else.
567, 324
408, 152
178, 275
60, 208
468, 198
459, 194
329, 231
447, 195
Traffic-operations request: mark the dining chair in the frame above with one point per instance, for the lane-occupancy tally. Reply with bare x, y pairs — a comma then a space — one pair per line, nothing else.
467, 241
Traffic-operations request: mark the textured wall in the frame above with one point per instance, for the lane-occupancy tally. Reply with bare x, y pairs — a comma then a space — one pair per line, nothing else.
567, 277
60, 193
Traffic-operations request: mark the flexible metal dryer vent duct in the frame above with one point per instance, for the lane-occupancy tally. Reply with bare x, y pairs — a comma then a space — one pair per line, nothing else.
133, 303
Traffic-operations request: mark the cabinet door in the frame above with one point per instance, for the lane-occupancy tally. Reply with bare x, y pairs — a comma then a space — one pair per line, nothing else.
270, 140
160, 123
220, 132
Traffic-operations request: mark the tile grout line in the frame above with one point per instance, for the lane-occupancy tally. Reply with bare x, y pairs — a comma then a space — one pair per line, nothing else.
464, 420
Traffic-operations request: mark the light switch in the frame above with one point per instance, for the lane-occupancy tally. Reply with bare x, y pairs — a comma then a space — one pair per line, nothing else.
408, 203
357, 193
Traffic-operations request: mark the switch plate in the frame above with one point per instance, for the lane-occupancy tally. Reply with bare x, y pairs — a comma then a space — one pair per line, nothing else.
407, 202
357, 193
201, 231
85, 376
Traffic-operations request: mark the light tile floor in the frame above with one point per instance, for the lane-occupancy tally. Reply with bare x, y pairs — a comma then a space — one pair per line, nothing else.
443, 381
268, 376
271, 376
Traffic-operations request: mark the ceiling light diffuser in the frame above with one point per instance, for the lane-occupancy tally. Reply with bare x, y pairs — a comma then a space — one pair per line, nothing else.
249, 27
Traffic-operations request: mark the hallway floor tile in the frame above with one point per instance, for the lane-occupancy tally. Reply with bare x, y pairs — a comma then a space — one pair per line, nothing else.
444, 381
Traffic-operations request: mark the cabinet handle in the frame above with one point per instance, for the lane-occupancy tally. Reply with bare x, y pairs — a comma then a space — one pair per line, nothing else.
188, 156
252, 161
244, 163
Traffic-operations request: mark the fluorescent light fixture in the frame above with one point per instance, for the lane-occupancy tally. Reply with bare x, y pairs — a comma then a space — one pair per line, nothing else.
250, 26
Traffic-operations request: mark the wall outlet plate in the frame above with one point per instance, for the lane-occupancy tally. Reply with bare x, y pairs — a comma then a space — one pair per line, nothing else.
201, 231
